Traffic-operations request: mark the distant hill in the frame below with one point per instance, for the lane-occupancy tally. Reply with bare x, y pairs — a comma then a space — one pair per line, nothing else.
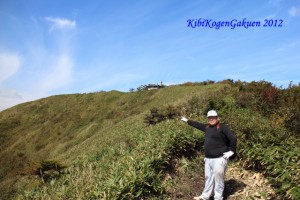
72, 131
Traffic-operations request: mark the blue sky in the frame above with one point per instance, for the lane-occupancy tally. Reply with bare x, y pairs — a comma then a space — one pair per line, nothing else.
62, 47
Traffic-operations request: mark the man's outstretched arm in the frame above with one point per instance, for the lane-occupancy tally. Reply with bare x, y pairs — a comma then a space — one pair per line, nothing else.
194, 124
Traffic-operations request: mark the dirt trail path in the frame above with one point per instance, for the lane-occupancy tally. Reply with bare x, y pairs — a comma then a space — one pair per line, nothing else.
188, 181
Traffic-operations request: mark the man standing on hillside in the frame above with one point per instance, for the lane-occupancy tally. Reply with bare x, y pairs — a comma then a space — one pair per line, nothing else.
219, 145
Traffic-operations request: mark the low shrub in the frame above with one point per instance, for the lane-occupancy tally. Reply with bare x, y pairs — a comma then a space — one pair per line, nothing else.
268, 148
158, 115
46, 169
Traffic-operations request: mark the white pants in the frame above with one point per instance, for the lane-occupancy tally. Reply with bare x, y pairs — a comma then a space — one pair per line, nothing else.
214, 177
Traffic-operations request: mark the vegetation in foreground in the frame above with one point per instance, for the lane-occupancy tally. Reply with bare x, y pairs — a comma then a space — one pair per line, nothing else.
113, 145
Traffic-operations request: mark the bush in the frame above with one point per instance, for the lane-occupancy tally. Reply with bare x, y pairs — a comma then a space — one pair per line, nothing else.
47, 169
268, 148
158, 115
291, 109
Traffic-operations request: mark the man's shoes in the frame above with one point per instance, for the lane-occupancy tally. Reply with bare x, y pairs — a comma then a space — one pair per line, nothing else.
198, 198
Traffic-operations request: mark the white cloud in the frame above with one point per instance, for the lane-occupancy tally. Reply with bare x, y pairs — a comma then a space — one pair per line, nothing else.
9, 98
294, 11
60, 23
57, 74
9, 65
60, 74
286, 47
59, 65
4, 93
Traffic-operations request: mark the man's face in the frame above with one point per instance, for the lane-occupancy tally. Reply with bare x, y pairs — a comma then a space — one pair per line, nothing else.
212, 120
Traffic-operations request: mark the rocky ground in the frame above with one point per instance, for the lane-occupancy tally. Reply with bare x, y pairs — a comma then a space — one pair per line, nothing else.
187, 181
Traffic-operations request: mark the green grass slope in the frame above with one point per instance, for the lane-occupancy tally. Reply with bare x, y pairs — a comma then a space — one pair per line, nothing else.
102, 146
67, 127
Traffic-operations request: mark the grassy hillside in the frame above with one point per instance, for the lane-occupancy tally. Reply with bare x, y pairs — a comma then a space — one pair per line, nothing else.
66, 127
101, 145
